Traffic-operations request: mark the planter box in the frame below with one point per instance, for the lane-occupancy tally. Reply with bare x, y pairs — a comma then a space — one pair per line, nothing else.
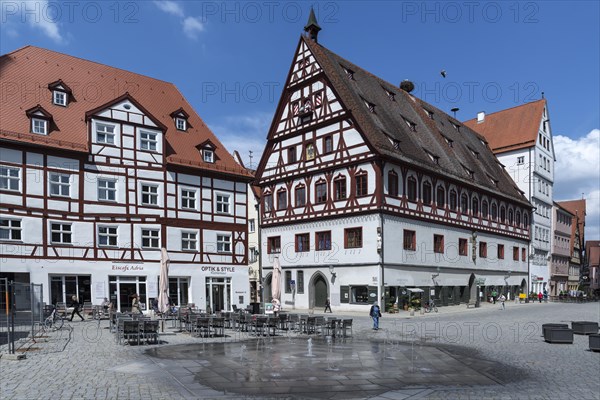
584, 327
595, 342
547, 326
559, 335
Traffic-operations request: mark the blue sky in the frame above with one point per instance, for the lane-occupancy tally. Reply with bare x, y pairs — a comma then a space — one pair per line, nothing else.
230, 59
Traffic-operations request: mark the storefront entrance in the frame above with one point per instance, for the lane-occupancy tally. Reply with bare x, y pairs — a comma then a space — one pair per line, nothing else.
218, 294
122, 289
64, 287
318, 291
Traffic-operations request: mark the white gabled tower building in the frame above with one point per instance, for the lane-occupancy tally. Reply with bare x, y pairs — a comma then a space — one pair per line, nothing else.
370, 194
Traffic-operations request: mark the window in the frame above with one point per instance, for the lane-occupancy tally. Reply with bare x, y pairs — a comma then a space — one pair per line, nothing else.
412, 188
208, 156
475, 206
188, 199
282, 199
393, 183
292, 154
10, 229
500, 252
321, 192
427, 193
494, 211
189, 241
327, 144
360, 294
59, 98
60, 233
482, 250
181, 124
9, 178
59, 184
502, 214
523, 254
441, 196
464, 203
149, 195
515, 253
510, 216
223, 203
107, 236
107, 190
105, 133
361, 185
274, 245
438, 243
353, 238
310, 151
463, 246
452, 199
224, 243
39, 126
410, 240
323, 241
339, 185
268, 202
484, 209
252, 225
148, 140
525, 221
288, 281
300, 196
300, 282
150, 238
302, 243
520, 160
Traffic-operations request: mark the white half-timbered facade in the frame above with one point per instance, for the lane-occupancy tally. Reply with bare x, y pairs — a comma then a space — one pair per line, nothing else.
92, 188
370, 194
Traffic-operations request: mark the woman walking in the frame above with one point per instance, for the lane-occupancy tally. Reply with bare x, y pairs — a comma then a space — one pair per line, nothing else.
135, 305
75, 304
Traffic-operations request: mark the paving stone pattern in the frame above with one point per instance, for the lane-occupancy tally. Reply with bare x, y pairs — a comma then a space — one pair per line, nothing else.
483, 353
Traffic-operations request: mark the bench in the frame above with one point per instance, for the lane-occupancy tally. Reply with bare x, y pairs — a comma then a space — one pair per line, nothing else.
471, 303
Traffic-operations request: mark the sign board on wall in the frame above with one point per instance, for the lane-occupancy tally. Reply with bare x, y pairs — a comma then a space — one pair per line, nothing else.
100, 290
152, 289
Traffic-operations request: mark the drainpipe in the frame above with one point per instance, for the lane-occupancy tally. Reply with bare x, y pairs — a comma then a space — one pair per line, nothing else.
530, 227
259, 289
380, 242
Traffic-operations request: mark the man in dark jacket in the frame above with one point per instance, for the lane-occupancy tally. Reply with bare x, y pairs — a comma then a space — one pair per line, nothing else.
75, 304
375, 313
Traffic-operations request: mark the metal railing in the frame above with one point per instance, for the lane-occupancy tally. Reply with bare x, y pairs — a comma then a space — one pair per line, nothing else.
21, 312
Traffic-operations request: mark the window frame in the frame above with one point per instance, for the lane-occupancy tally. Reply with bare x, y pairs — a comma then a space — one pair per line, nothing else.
59, 183
348, 232
208, 156
12, 229
292, 155
106, 134
323, 241
409, 240
150, 236
438, 244
361, 184
440, 197
221, 206
150, 143
109, 235
151, 195
61, 232
411, 189
427, 195
393, 183
482, 249
320, 192
328, 144
300, 190
453, 200
10, 179
39, 126
500, 251
515, 253
107, 189
274, 245
189, 238
282, 199
340, 186
224, 244
463, 247
185, 199
183, 122
57, 94
302, 242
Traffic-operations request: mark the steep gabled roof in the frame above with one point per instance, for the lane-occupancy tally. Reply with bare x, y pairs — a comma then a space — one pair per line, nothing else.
511, 129
390, 122
30, 70
577, 208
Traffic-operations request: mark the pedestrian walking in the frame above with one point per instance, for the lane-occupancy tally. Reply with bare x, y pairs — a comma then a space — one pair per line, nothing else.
502, 300
75, 304
375, 313
328, 306
135, 305
494, 295
540, 295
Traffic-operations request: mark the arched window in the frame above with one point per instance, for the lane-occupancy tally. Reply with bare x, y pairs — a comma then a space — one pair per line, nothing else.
440, 196
502, 214
411, 184
427, 193
452, 199
494, 211
484, 209
510, 216
475, 206
393, 183
526, 221
518, 218
464, 203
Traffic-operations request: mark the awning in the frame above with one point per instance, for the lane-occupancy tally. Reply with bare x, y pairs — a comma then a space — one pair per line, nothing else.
415, 290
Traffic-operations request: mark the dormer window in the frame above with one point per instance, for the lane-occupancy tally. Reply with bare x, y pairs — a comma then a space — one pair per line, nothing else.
180, 117
39, 126
59, 98
181, 124
469, 172
449, 141
433, 157
391, 95
429, 113
370, 106
475, 154
349, 73
411, 125
208, 155
456, 126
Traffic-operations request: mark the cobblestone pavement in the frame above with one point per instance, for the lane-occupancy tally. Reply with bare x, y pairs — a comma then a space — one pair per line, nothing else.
82, 361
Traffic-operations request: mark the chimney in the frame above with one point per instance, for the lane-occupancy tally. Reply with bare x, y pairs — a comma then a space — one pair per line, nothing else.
480, 117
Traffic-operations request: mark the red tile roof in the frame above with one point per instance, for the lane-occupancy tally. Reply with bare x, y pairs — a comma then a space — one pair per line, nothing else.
577, 208
27, 72
511, 129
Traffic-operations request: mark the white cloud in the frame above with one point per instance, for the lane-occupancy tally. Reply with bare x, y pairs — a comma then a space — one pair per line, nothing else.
577, 171
33, 12
192, 26
170, 7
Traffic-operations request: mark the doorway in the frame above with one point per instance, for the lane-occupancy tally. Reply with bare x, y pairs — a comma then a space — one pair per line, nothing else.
122, 289
318, 291
64, 287
218, 294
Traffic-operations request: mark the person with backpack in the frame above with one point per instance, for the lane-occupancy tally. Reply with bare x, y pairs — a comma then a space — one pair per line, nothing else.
375, 313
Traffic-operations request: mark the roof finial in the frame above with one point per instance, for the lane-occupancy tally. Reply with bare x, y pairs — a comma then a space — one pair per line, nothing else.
543, 95
312, 26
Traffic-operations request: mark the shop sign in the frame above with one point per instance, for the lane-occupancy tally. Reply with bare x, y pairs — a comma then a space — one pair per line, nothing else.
127, 267
218, 270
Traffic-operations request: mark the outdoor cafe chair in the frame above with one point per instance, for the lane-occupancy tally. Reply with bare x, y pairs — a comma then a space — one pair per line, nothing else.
131, 330
293, 321
346, 325
329, 327
218, 326
150, 331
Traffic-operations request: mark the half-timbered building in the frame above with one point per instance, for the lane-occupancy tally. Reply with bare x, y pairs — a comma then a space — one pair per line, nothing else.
100, 169
369, 191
